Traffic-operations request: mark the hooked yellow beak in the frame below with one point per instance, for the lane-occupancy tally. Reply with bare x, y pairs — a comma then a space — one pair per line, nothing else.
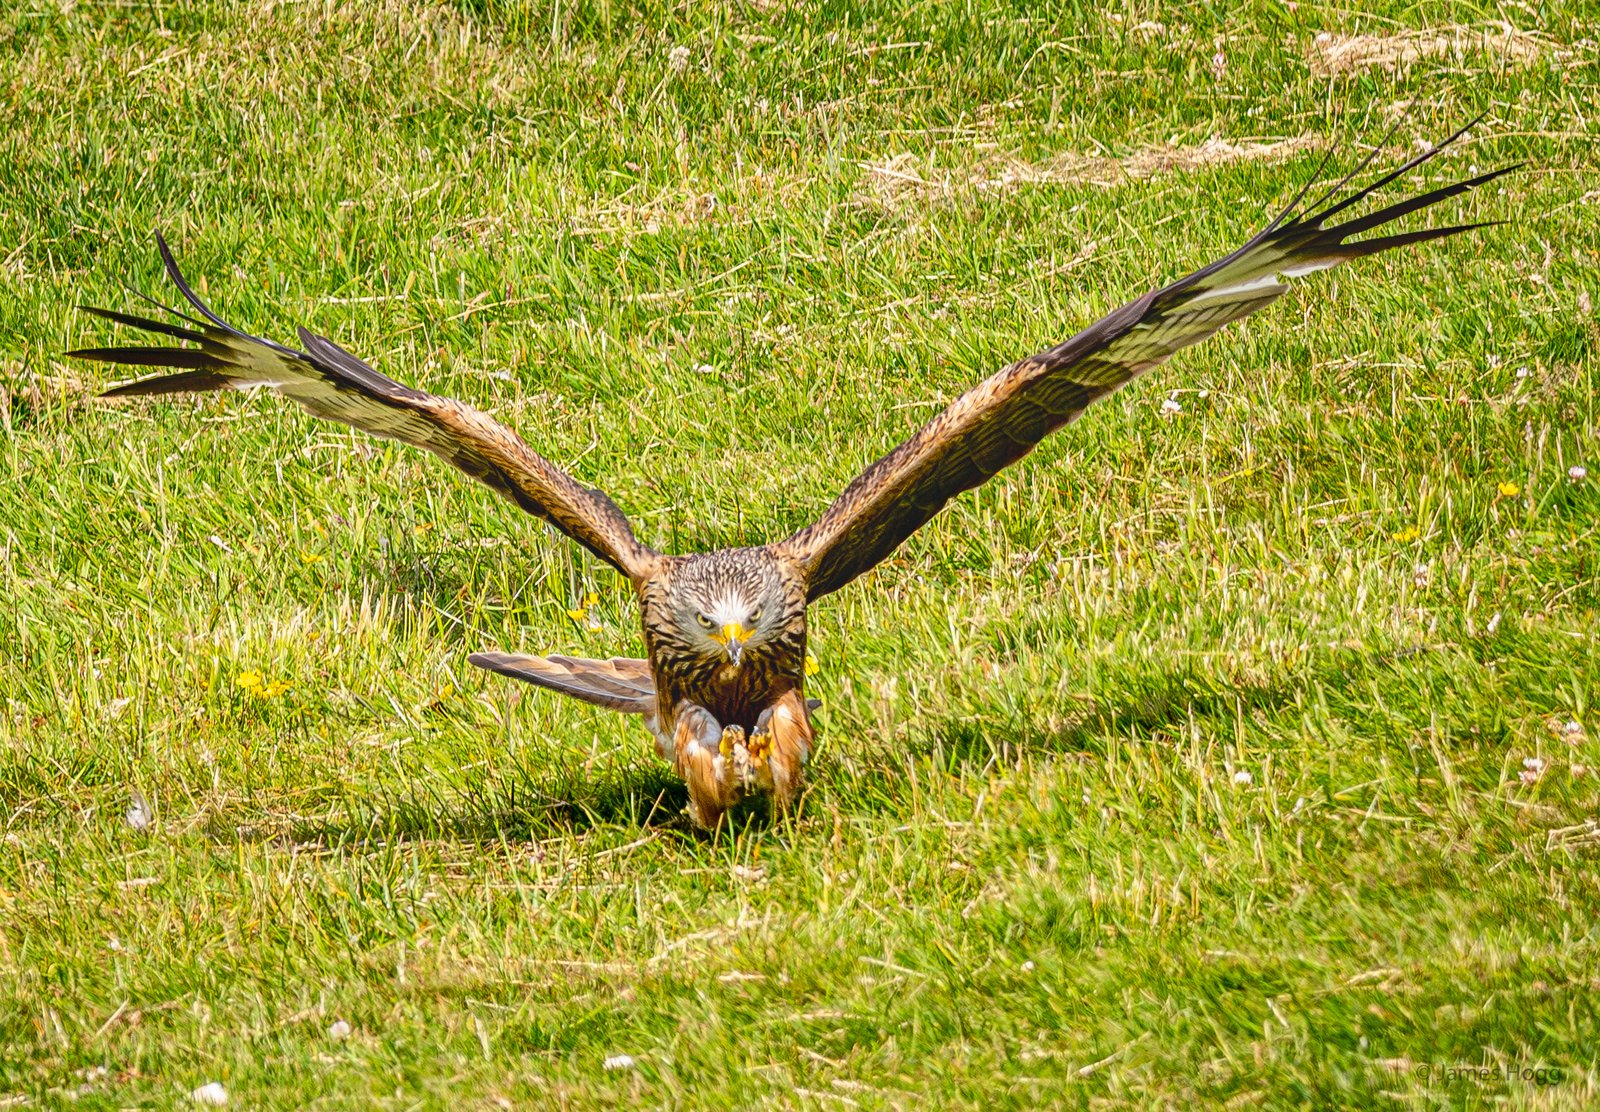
733, 637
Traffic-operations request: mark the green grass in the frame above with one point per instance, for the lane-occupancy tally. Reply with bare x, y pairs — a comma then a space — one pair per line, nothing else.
1031, 869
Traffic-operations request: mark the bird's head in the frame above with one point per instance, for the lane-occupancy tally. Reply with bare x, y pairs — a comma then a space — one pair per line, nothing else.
727, 604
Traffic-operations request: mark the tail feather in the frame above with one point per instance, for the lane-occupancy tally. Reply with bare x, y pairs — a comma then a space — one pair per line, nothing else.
617, 684
620, 684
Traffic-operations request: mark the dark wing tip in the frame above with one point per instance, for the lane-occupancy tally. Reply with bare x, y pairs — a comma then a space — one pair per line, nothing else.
145, 323
176, 277
335, 360
191, 359
1322, 217
188, 382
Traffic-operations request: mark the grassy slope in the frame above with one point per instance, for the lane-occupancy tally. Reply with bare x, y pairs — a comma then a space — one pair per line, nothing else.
1026, 872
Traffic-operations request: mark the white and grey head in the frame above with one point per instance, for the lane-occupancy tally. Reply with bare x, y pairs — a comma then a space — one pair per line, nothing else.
725, 604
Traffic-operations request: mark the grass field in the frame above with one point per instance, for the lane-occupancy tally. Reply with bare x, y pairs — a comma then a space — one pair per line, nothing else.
1241, 753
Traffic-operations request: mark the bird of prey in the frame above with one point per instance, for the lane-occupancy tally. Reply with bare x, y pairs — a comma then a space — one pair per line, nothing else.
722, 688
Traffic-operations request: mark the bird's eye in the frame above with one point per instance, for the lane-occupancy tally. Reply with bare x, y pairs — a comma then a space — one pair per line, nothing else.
755, 615
705, 622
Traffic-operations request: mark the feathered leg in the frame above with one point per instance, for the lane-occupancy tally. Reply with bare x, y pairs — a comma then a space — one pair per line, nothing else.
784, 732
696, 744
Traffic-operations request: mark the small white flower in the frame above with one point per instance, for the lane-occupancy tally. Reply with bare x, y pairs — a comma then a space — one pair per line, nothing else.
1572, 731
338, 1030
678, 60
1579, 771
140, 814
211, 1093
1577, 473
1172, 405
1528, 776
619, 1062
704, 369
1243, 777
1028, 967
1534, 764
1522, 372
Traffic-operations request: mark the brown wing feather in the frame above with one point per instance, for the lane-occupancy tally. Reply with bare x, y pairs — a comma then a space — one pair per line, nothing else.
1003, 418
328, 381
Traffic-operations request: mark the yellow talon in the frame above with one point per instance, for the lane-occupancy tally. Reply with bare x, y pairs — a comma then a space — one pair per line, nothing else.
760, 746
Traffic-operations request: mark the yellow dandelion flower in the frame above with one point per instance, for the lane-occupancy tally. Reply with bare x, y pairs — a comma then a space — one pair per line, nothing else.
582, 613
309, 558
1407, 535
314, 635
250, 681
444, 692
1508, 489
812, 667
274, 688
424, 527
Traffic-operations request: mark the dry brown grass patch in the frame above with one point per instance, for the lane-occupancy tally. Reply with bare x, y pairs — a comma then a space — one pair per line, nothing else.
900, 181
1331, 54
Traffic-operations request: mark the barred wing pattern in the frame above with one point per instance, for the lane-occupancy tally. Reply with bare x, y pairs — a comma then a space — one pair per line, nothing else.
328, 381
1003, 418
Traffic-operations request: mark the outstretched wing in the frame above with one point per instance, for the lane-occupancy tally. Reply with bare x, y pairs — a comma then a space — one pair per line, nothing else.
1001, 419
328, 381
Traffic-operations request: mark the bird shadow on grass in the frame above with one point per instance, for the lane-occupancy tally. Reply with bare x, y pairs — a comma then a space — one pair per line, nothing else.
507, 808
512, 810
